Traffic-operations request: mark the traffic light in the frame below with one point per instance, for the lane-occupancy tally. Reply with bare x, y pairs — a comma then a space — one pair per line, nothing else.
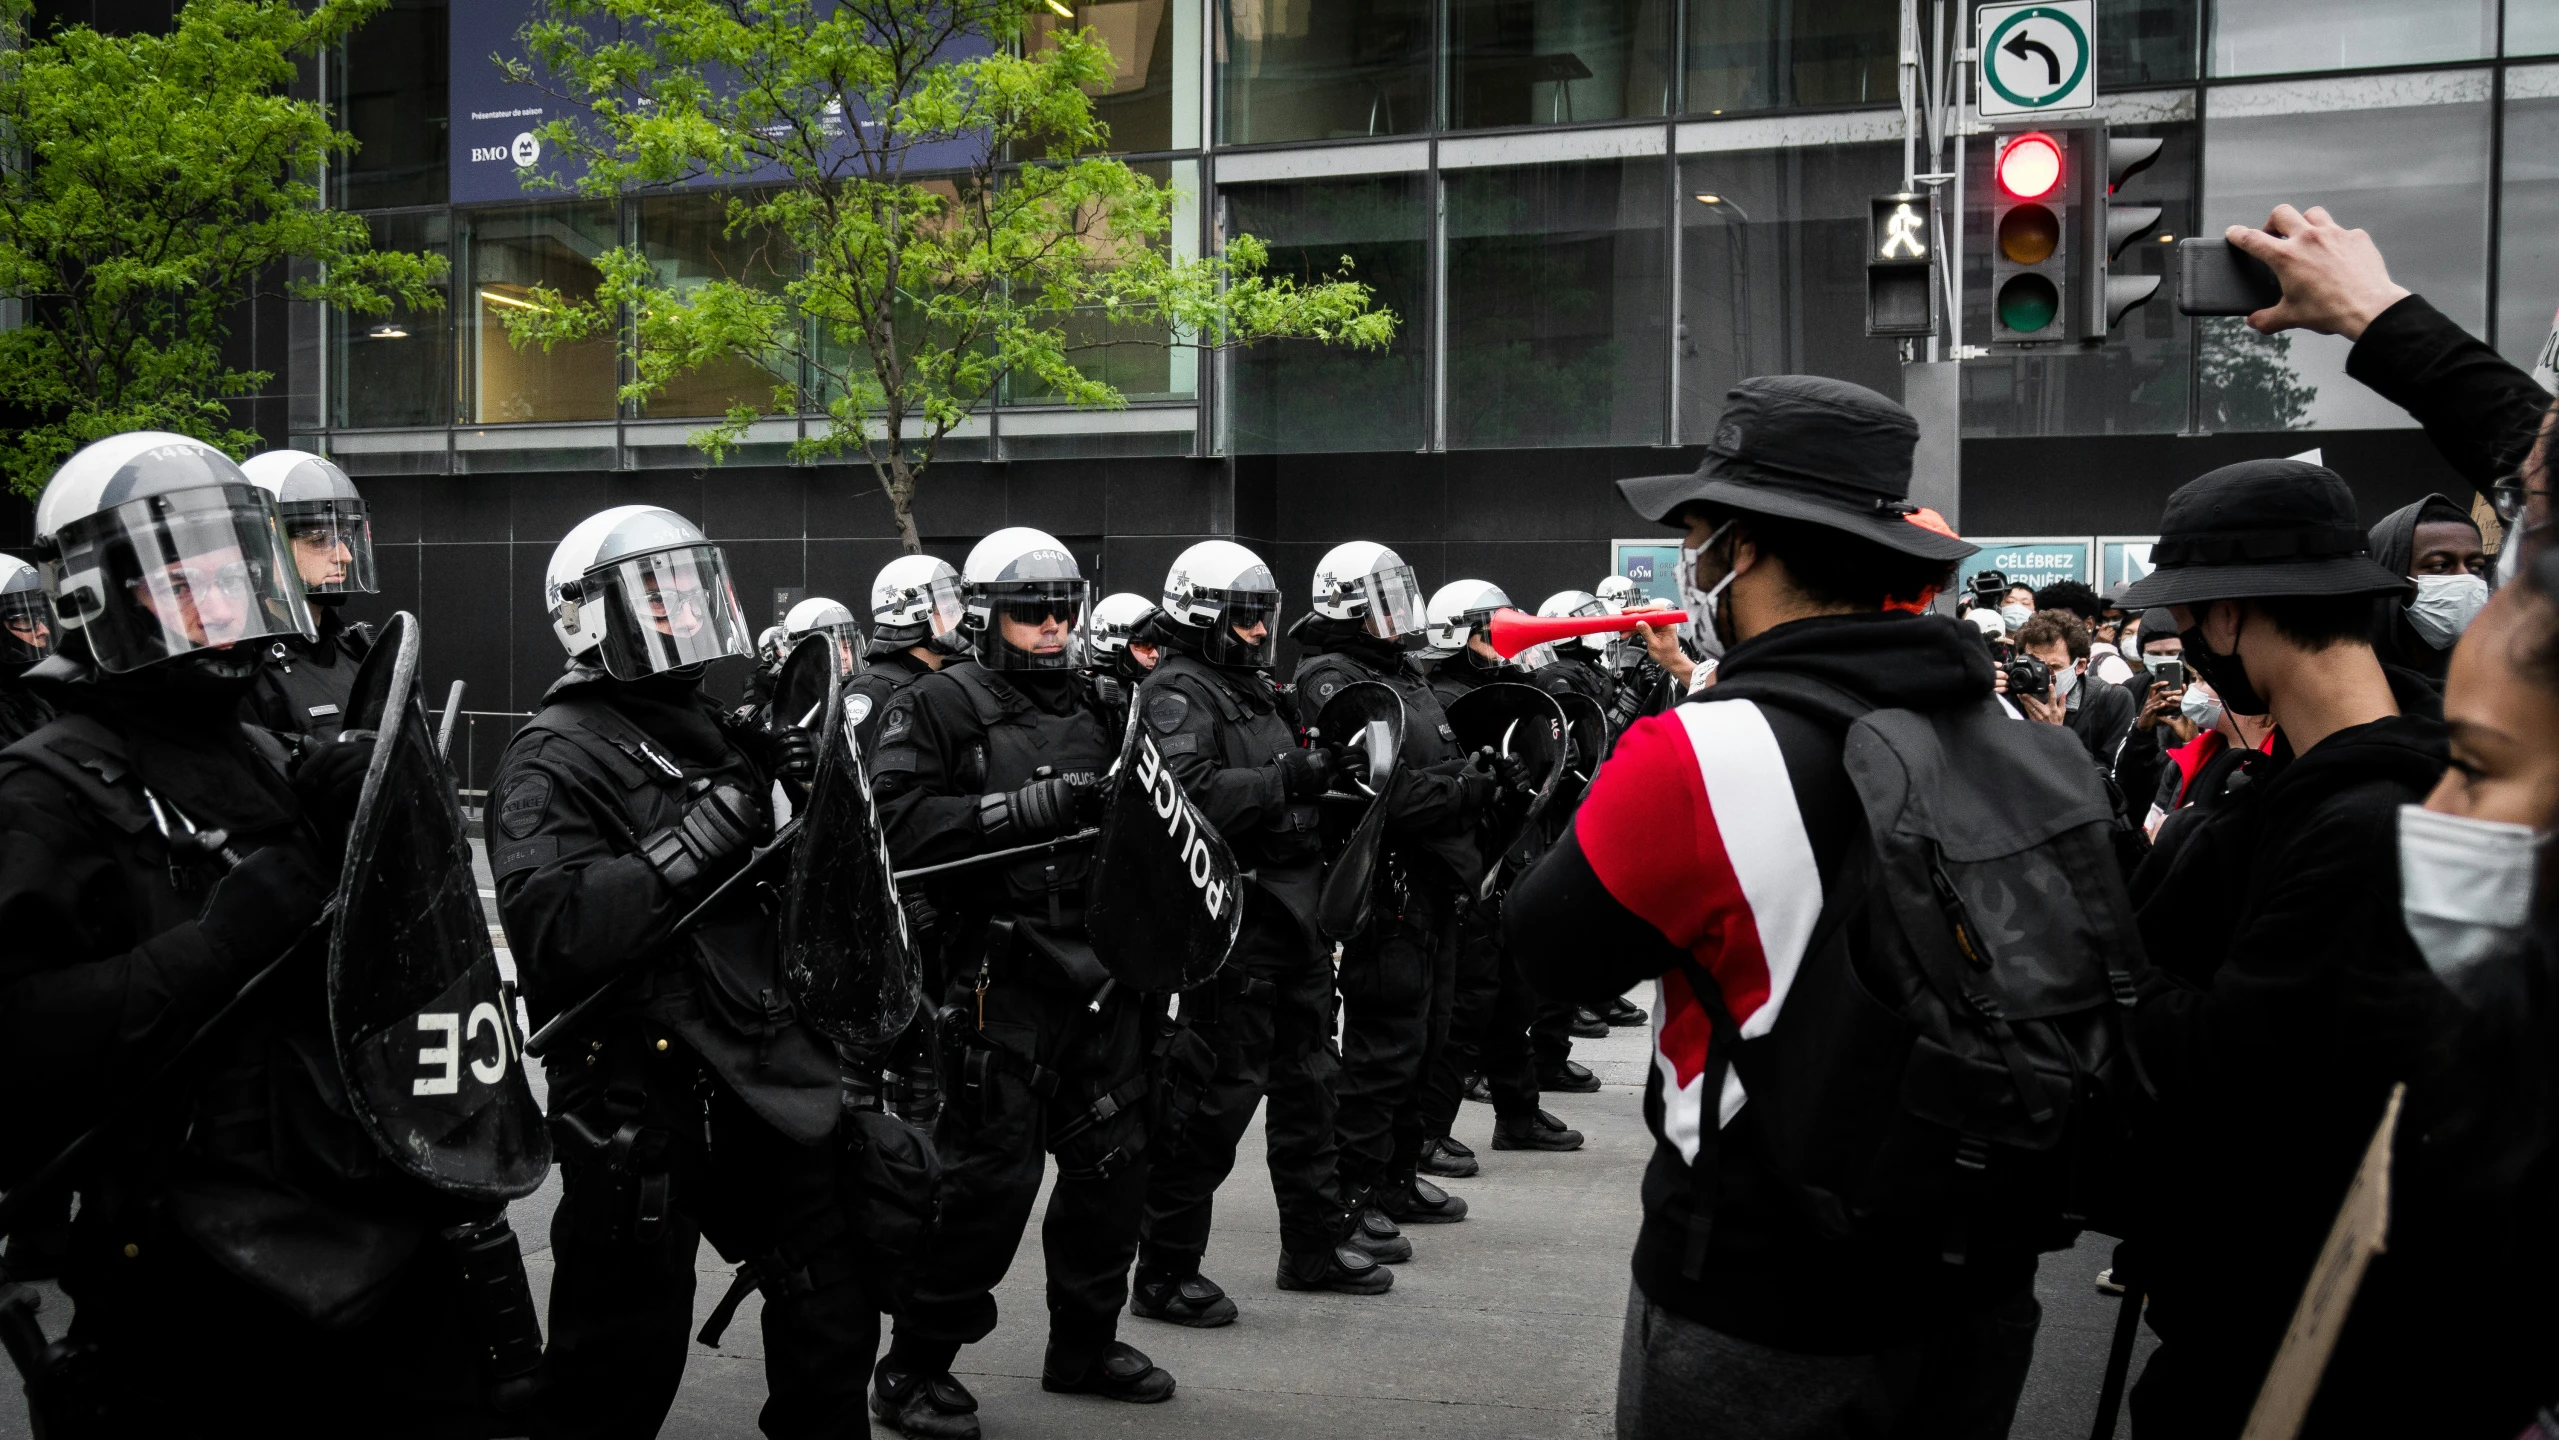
1901, 253
2111, 227
2030, 237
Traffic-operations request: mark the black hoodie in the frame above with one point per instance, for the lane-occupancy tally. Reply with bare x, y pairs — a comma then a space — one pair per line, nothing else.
2394, 545
1649, 856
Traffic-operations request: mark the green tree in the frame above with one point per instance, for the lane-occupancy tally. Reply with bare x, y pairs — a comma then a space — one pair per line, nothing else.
933, 179
158, 181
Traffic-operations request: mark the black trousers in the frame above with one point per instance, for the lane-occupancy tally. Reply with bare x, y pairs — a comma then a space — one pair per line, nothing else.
1487, 1030
1269, 1017
622, 1292
995, 1135
1398, 981
1550, 1035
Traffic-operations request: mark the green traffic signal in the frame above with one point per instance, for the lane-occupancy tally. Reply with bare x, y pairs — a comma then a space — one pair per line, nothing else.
2028, 303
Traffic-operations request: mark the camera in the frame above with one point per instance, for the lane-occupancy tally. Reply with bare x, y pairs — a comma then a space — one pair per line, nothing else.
2030, 676
1988, 587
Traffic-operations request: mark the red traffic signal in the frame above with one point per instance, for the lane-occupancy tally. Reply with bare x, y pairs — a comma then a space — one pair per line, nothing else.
2030, 166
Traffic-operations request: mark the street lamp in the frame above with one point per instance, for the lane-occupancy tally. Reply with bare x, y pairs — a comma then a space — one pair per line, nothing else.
1725, 208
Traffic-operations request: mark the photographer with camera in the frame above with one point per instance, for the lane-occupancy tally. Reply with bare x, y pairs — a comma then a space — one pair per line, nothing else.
2049, 681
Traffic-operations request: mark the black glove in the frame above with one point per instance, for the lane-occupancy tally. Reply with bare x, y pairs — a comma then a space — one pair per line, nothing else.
1350, 762
794, 755
329, 781
1305, 773
1512, 772
1476, 791
262, 905
1035, 812
718, 827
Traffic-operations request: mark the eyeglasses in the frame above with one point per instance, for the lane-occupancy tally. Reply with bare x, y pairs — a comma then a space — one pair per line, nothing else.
2510, 497
180, 582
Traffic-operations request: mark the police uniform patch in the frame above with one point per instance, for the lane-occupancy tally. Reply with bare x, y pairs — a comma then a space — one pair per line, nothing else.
1324, 691
857, 709
522, 807
897, 723
1165, 709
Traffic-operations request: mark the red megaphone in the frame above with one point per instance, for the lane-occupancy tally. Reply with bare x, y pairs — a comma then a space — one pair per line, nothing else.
1517, 630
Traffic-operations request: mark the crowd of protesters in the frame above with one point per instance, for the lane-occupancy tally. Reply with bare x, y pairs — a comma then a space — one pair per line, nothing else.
1941, 990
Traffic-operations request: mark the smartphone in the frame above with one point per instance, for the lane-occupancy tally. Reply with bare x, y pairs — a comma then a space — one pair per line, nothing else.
2215, 279
2170, 674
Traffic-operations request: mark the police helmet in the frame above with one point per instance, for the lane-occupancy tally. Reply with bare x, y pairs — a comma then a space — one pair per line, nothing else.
642, 590
1459, 611
818, 613
1565, 603
1367, 582
324, 518
1023, 586
916, 600
26, 623
1215, 595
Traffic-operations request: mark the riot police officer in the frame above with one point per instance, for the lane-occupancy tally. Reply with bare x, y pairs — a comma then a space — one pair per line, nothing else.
1640, 686
1042, 1052
692, 1101
1579, 665
1230, 739
1398, 975
798, 693
244, 1254
916, 610
1128, 637
303, 687
26, 637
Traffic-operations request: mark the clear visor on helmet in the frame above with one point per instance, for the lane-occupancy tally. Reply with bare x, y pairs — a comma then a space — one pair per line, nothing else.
26, 628
1596, 642
1396, 607
332, 545
1245, 633
848, 645
170, 575
665, 611
1035, 624
1537, 656
939, 605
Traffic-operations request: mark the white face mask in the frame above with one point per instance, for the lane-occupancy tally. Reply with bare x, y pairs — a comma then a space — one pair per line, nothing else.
2445, 606
2065, 680
2465, 887
2200, 709
1700, 605
2015, 617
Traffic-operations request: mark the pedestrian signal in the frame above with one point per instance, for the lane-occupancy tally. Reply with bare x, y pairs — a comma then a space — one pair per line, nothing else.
1901, 257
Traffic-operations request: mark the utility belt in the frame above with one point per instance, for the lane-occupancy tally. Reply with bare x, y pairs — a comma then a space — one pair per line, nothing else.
614, 1129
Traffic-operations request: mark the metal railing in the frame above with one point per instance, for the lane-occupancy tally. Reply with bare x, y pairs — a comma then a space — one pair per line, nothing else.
479, 738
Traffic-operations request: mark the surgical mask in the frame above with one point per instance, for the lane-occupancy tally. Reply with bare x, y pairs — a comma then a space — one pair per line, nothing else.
2065, 680
1701, 604
2465, 888
2445, 605
2015, 617
2201, 710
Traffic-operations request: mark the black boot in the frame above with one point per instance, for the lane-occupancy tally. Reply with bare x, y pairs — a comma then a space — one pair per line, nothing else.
1622, 1011
1449, 1157
1567, 1078
1587, 1025
1180, 1298
1419, 1202
1121, 1372
1343, 1269
1474, 1088
1374, 1233
1535, 1130
929, 1406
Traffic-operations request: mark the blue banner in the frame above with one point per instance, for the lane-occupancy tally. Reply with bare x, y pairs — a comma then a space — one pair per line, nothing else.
2036, 560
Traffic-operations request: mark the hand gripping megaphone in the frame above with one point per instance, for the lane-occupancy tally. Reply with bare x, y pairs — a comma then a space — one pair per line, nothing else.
1517, 630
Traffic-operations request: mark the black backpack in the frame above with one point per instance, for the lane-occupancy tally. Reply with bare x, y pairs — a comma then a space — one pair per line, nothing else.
1953, 1064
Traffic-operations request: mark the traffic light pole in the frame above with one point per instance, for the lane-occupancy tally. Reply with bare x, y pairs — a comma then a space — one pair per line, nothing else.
1932, 388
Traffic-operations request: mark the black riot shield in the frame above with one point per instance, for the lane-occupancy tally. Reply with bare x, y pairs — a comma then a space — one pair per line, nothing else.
1525, 723
1586, 726
810, 674
1165, 898
423, 1023
1366, 716
847, 958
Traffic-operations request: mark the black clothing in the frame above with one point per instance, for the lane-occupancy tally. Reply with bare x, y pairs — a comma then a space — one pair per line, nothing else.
2394, 544
2142, 755
2101, 719
2479, 410
866, 695
2273, 1032
1772, 1275
248, 1228
302, 686
1269, 1013
1035, 1066
700, 1056
22, 710
1490, 1015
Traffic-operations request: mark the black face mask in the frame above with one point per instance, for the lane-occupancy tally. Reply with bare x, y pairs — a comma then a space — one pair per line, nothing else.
2226, 674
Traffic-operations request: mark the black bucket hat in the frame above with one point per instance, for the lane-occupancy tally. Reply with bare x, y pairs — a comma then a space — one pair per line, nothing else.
2261, 528
1805, 447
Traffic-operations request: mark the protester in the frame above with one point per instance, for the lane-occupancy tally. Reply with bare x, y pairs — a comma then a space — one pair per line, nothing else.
2436, 544
1760, 1322
2267, 1030
2159, 724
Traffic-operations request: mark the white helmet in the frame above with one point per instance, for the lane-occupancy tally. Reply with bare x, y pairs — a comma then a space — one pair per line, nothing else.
915, 600
26, 624
1617, 592
1025, 577
1363, 580
817, 613
1565, 603
155, 546
1460, 610
645, 590
324, 517
1217, 590
768, 644
1115, 621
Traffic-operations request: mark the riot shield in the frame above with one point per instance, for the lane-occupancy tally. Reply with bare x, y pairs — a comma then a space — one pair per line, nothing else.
847, 958
423, 1024
1165, 898
1525, 723
810, 674
1366, 716
1586, 726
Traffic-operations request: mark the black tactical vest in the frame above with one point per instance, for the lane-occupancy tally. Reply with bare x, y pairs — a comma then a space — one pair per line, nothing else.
1250, 731
1428, 737
867, 695
1017, 743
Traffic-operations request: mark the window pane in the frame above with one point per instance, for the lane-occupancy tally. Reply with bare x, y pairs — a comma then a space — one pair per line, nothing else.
2403, 156
1552, 62
2532, 27
2145, 42
1137, 361
1556, 304
1773, 271
2270, 37
1772, 54
2138, 382
396, 368
2528, 243
512, 251
1294, 396
1322, 69
686, 238
392, 100
1148, 40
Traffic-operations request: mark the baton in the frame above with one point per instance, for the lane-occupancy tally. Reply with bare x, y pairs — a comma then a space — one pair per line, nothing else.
452, 711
